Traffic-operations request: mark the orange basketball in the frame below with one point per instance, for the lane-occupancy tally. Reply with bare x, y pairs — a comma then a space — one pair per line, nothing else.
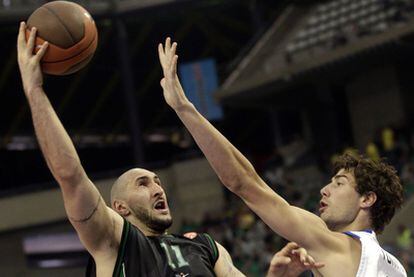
71, 33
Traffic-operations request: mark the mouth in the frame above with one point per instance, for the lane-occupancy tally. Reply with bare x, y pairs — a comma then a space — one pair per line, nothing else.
322, 206
161, 206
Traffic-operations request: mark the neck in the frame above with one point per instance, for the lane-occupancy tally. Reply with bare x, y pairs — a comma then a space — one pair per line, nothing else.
360, 223
147, 231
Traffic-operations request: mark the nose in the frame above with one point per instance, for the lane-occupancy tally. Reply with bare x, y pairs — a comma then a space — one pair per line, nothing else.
325, 191
158, 190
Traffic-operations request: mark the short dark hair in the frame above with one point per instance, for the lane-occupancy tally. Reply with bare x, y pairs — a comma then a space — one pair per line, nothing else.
377, 177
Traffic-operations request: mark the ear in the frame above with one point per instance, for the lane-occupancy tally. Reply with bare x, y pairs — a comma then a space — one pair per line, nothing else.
121, 208
368, 199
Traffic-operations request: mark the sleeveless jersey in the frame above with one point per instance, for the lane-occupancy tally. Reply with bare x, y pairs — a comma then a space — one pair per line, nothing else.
375, 261
159, 256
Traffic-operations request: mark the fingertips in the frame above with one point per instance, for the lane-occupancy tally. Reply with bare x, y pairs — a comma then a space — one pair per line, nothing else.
311, 260
319, 265
42, 50
21, 36
160, 49
33, 31
174, 46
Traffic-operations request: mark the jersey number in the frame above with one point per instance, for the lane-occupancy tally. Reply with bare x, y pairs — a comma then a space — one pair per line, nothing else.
174, 256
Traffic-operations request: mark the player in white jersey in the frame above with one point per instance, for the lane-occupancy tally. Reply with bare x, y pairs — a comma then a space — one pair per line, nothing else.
363, 194
375, 261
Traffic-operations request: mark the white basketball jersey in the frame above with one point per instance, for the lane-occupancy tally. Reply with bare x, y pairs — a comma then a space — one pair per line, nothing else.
375, 261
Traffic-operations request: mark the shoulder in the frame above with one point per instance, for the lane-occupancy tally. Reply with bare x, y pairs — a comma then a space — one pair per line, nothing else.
206, 240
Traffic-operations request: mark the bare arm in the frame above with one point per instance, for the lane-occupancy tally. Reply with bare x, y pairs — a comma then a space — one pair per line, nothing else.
224, 266
95, 223
237, 173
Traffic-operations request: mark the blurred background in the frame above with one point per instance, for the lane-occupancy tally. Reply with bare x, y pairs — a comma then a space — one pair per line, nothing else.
291, 83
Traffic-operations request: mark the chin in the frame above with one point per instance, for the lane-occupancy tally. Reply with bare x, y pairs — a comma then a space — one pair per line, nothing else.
161, 224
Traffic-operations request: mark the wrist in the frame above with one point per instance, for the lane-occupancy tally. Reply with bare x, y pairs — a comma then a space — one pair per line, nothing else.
33, 91
184, 106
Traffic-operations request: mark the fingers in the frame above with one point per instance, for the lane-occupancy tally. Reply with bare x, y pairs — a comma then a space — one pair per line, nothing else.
172, 50
167, 57
31, 40
307, 260
161, 54
174, 65
21, 38
167, 44
42, 51
280, 261
318, 265
302, 255
168, 50
283, 261
287, 250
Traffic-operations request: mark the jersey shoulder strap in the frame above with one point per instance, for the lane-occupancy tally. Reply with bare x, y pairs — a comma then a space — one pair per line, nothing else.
207, 241
118, 270
91, 267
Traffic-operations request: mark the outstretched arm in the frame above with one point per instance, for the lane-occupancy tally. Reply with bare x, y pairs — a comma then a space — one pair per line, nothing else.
236, 172
95, 223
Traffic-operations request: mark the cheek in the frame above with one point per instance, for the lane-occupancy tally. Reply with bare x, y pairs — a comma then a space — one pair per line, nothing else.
140, 199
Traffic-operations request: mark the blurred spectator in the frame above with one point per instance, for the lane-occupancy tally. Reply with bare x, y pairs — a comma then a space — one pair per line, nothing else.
404, 239
372, 152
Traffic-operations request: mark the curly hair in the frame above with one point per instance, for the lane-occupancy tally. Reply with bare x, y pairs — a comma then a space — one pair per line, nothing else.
377, 177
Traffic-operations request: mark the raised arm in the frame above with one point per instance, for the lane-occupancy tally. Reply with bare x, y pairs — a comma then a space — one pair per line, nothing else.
96, 224
236, 172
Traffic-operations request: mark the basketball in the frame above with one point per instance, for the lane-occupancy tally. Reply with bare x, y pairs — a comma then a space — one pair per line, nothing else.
71, 33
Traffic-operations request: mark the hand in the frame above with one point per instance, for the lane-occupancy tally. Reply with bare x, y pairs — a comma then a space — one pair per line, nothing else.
29, 63
291, 261
173, 92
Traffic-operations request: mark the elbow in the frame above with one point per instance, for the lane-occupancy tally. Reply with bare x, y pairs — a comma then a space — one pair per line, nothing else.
238, 183
234, 186
68, 174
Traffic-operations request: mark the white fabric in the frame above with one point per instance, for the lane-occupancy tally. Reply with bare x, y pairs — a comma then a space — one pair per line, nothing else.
375, 261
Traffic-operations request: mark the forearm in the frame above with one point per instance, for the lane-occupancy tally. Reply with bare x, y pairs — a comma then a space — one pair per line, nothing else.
55, 143
233, 169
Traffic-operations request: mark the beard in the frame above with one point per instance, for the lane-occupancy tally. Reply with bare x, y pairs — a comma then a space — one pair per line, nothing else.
157, 224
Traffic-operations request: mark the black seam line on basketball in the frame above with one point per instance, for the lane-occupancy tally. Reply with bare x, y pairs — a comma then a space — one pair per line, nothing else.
62, 23
73, 55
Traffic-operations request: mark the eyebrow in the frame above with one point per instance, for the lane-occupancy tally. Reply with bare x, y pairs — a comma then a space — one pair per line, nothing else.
340, 176
146, 178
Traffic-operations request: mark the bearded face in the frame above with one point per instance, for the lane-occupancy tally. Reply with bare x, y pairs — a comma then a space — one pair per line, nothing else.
157, 219
144, 199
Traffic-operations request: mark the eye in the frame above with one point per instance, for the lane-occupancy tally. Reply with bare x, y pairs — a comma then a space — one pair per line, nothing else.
158, 181
339, 183
142, 183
